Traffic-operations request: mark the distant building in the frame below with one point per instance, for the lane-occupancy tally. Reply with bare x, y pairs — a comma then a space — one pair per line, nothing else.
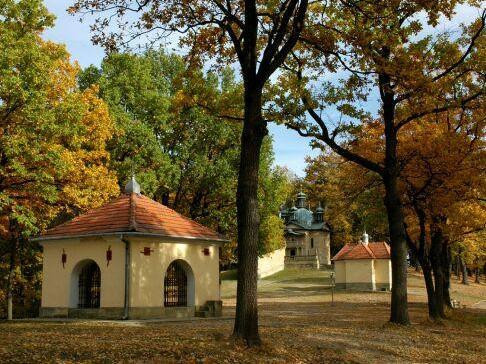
307, 236
131, 258
363, 266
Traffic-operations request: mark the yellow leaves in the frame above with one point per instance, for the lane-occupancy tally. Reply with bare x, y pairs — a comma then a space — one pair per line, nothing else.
181, 100
99, 126
91, 187
90, 182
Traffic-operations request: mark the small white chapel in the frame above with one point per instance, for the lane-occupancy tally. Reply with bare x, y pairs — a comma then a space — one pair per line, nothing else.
131, 258
364, 266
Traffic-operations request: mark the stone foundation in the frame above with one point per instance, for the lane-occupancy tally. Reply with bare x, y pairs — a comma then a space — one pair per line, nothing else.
326, 267
355, 286
106, 313
383, 286
213, 309
140, 313
301, 262
53, 312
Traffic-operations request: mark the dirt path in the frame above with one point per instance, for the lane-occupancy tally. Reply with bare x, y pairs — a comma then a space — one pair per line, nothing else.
480, 305
298, 324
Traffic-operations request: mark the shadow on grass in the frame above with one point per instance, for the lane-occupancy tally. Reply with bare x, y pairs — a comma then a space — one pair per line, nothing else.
309, 280
305, 289
229, 275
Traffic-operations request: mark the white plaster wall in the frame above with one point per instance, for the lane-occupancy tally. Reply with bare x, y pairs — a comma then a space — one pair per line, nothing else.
148, 272
271, 263
360, 271
322, 242
340, 271
383, 271
58, 283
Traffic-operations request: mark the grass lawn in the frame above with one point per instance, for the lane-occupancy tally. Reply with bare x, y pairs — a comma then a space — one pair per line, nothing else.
298, 323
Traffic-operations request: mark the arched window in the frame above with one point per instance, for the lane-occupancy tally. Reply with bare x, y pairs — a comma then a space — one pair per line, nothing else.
89, 286
175, 286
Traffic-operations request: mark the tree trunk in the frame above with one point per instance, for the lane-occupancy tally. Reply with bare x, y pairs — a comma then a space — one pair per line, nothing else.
195, 206
429, 285
435, 257
10, 278
446, 266
415, 260
394, 208
423, 256
457, 266
254, 130
417, 266
465, 279
399, 304
477, 280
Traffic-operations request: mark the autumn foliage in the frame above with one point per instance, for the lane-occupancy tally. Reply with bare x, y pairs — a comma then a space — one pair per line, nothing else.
53, 161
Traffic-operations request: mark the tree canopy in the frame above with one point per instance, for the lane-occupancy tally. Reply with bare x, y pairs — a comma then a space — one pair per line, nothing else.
53, 158
176, 129
381, 49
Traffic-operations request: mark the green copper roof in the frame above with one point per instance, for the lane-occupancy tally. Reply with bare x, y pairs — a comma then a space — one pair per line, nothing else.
304, 217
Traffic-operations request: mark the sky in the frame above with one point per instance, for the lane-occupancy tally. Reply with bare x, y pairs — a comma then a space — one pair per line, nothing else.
290, 149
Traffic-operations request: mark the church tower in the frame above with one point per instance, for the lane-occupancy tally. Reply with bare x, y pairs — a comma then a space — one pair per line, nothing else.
307, 235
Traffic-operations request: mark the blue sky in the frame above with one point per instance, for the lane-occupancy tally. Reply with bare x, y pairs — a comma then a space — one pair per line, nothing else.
290, 149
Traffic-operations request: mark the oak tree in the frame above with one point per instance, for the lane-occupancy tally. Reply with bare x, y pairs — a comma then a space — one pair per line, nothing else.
53, 159
258, 36
380, 49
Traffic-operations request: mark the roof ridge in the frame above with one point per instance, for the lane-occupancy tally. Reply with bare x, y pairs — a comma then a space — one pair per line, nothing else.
343, 251
369, 250
387, 247
132, 222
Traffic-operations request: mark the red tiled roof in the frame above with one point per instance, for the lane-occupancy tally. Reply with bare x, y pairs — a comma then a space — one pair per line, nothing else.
353, 251
133, 213
381, 250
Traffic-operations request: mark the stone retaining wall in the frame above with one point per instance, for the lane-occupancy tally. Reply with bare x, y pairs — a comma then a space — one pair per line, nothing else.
271, 263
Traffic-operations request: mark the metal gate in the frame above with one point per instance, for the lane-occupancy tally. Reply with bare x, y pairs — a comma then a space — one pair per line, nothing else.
175, 286
89, 286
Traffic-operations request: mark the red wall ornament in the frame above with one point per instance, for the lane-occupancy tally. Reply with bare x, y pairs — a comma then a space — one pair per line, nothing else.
109, 255
146, 251
63, 258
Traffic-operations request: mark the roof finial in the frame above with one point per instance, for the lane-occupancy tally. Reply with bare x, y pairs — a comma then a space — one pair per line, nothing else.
365, 238
132, 186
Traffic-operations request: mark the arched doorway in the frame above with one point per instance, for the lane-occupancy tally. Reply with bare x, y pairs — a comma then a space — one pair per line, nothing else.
178, 285
89, 284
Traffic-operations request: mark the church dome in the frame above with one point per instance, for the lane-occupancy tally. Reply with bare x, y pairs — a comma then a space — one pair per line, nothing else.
303, 217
